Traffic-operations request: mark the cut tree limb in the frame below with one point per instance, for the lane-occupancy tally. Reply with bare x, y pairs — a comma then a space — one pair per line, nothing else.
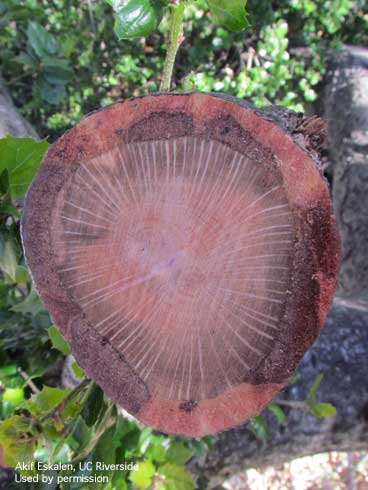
185, 245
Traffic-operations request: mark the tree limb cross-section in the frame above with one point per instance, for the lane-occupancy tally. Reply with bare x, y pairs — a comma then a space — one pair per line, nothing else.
185, 245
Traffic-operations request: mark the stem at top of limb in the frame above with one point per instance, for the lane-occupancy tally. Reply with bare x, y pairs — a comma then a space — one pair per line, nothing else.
174, 41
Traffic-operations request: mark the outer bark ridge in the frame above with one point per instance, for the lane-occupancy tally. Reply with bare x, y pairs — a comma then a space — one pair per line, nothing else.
186, 247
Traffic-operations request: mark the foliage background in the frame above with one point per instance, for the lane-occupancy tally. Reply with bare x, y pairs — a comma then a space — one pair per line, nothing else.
79, 65
60, 60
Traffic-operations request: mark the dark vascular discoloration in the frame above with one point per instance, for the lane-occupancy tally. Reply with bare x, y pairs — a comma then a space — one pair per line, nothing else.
120, 132
310, 133
160, 125
108, 367
104, 341
302, 311
188, 406
36, 219
227, 130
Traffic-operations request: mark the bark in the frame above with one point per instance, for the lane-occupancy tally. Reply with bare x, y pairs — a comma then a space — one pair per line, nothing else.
346, 110
341, 354
11, 122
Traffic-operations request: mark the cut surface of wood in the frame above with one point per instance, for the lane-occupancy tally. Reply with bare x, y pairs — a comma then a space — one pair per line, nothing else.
186, 248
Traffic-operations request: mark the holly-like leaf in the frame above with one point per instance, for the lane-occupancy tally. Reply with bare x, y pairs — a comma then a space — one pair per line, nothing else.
47, 399
323, 410
231, 14
21, 157
135, 18
58, 341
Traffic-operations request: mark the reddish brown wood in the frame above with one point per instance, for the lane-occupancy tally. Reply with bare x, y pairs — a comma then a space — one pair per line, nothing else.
187, 249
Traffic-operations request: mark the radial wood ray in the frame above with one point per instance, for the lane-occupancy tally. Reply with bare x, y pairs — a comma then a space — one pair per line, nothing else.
192, 253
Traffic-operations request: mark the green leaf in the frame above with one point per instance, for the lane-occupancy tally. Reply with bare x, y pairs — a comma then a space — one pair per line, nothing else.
145, 438
12, 398
323, 410
199, 447
51, 92
276, 410
47, 399
57, 71
142, 477
312, 392
21, 157
9, 370
259, 427
58, 341
41, 41
176, 477
93, 406
4, 184
134, 18
24, 59
16, 440
231, 14
126, 431
71, 410
8, 256
13, 395
77, 370
103, 424
178, 453
6, 205
156, 452
21, 275
32, 304
105, 451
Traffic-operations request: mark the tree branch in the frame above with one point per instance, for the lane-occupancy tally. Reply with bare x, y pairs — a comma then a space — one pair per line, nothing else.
174, 41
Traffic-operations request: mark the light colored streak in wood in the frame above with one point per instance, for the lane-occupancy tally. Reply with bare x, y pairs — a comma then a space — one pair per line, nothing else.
122, 161
87, 223
89, 212
98, 184
244, 341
